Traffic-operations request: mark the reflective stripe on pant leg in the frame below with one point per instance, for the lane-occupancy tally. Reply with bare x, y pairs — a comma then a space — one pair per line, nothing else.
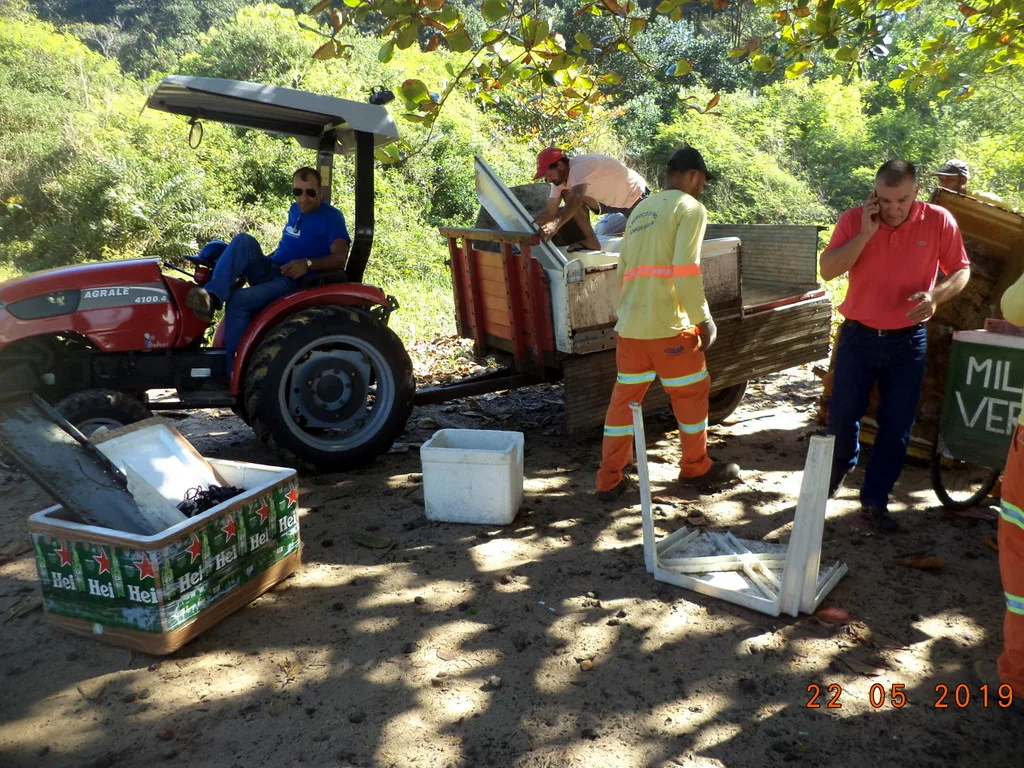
633, 379
1011, 566
680, 366
636, 378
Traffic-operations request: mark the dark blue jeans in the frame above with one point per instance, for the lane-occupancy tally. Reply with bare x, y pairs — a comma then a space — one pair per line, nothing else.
896, 365
244, 258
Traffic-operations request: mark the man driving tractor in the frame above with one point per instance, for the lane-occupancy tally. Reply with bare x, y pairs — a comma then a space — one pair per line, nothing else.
314, 239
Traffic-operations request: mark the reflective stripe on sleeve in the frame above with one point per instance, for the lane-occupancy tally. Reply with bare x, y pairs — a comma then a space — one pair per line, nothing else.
679, 270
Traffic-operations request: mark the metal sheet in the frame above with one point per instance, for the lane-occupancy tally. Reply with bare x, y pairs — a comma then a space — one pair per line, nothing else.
67, 466
305, 116
509, 213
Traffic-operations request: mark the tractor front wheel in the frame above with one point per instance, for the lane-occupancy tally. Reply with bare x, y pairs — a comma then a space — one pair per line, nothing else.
94, 409
330, 387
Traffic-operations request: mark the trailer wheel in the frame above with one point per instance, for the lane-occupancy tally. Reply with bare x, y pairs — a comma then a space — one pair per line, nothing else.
329, 388
94, 409
959, 484
722, 403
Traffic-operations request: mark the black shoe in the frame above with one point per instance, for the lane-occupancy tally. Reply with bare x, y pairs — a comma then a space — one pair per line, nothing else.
881, 517
613, 493
835, 483
721, 473
200, 302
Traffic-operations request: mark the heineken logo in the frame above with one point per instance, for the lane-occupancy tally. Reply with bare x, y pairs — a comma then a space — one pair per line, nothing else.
224, 558
63, 554
145, 568
195, 548
60, 581
103, 561
257, 540
100, 590
286, 523
140, 595
230, 530
189, 580
263, 511
293, 495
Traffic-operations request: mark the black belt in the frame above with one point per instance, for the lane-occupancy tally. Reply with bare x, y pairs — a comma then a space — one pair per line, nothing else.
858, 326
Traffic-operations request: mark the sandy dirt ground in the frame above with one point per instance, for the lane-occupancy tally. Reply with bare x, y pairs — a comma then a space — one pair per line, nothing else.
541, 643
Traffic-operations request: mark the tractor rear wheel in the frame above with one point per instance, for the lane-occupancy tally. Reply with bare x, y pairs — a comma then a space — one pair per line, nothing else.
94, 409
330, 387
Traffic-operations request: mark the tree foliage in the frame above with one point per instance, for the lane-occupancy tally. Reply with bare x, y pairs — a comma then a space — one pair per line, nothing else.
524, 42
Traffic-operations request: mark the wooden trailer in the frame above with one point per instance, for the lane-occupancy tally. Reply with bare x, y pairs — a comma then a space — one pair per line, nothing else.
556, 322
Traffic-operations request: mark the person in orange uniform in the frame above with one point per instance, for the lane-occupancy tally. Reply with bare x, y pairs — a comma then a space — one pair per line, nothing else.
1010, 666
663, 327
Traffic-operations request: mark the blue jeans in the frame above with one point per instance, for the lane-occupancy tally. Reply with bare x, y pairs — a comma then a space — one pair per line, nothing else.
896, 365
244, 258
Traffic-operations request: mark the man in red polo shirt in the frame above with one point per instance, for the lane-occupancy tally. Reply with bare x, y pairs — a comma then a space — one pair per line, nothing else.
893, 248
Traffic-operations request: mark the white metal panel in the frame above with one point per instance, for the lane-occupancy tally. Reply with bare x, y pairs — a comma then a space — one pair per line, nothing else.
509, 213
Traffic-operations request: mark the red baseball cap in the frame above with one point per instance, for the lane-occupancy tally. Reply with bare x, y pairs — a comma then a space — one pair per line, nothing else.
546, 159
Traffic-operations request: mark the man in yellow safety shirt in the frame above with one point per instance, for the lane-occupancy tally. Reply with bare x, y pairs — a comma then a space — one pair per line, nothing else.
664, 325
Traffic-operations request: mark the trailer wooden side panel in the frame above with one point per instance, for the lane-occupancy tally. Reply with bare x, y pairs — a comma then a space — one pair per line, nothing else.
774, 253
761, 343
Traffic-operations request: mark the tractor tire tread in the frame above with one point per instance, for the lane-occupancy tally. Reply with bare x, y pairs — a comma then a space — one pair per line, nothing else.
270, 348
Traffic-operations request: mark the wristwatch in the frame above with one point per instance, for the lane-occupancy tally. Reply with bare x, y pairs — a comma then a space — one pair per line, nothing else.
309, 263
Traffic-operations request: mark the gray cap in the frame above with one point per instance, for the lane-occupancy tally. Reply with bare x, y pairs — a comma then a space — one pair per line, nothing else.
954, 168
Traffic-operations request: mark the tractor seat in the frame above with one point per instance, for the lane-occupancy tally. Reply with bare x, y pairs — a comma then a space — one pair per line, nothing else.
323, 278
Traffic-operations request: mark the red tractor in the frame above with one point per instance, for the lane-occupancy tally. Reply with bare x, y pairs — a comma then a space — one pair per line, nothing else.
318, 375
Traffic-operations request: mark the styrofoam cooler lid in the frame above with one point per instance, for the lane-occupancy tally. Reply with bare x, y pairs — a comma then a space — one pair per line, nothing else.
159, 454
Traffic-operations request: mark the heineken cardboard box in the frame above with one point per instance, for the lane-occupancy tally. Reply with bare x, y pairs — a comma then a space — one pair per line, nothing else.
155, 593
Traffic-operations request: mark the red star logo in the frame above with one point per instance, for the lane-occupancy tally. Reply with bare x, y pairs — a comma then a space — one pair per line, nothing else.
195, 548
230, 529
263, 511
293, 495
103, 560
145, 568
65, 556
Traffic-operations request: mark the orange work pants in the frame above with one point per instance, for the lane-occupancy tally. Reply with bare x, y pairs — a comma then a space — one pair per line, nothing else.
679, 362
1011, 566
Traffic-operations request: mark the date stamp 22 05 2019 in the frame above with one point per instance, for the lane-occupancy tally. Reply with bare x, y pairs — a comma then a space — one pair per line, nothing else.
959, 696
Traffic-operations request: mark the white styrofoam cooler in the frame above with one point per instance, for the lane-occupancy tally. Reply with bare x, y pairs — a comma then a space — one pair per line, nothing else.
473, 475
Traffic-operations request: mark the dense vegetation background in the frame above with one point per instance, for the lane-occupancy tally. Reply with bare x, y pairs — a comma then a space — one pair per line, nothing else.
85, 175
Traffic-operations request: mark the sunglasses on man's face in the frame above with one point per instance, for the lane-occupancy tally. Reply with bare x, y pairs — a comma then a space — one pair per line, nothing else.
309, 192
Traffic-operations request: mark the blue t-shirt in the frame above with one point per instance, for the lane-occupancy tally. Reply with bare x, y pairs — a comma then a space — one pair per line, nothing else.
309, 235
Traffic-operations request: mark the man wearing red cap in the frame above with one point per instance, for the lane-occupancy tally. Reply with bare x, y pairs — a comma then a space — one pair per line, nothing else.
583, 184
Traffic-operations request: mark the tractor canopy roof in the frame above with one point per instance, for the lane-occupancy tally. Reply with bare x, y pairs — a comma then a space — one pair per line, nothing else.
306, 116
